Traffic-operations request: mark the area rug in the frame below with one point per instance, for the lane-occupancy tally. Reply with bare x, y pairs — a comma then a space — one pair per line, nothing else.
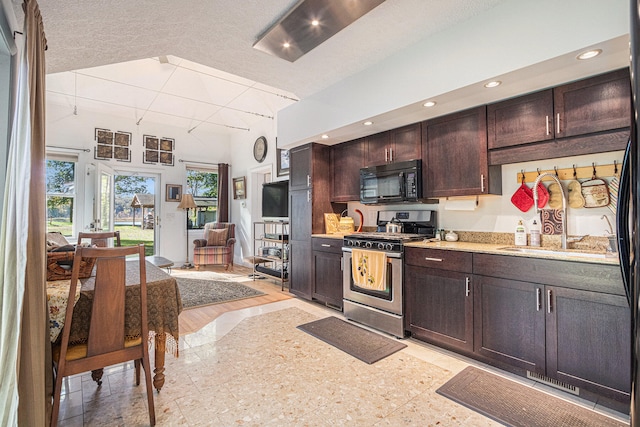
514, 404
199, 292
358, 342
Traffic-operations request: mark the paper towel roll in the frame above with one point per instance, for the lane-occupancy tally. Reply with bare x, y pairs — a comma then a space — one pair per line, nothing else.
463, 204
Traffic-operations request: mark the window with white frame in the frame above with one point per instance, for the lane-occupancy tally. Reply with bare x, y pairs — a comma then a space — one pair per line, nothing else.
61, 193
202, 183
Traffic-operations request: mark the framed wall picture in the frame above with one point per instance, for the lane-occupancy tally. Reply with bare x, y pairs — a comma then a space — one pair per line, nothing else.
158, 150
112, 145
239, 188
282, 157
173, 193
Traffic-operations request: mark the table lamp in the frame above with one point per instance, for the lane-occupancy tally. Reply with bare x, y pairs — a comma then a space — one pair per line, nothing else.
187, 203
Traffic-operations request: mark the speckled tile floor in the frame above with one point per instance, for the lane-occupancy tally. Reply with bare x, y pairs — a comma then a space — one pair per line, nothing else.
252, 367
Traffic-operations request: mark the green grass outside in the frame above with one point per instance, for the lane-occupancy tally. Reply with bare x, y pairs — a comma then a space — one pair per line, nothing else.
129, 235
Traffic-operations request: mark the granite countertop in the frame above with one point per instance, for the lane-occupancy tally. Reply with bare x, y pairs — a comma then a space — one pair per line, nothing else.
499, 249
592, 248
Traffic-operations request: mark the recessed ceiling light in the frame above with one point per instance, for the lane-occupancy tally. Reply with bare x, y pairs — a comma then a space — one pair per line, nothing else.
367, 123
286, 44
325, 136
493, 83
429, 103
315, 22
589, 54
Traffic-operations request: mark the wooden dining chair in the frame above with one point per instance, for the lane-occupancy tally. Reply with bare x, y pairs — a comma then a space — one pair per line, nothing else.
100, 238
107, 343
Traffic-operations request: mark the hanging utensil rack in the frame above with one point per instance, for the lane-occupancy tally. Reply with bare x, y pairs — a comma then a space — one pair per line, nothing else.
583, 172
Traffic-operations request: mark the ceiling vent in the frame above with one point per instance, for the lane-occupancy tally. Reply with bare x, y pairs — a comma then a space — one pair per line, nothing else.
310, 23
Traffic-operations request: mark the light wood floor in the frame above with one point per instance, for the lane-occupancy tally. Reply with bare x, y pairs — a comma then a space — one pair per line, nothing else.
194, 319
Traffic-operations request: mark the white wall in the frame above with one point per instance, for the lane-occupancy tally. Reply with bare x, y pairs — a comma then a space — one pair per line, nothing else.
67, 130
511, 36
245, 211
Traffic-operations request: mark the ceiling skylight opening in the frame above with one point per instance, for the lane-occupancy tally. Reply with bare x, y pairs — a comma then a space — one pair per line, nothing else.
589, 54
429, 104
368, 123
494, 83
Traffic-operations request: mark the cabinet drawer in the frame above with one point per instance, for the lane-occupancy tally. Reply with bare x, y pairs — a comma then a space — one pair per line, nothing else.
574, 275
327, 244
441, 259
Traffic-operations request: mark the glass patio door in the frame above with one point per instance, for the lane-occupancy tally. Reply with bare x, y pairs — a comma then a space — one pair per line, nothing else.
103, 200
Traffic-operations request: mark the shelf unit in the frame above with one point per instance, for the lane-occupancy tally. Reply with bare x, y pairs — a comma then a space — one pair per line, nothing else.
271, 250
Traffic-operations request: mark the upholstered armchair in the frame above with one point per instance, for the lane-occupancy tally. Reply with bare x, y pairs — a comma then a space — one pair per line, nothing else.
217, 246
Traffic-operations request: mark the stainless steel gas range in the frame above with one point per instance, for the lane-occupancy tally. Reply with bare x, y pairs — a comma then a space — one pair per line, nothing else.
381, 306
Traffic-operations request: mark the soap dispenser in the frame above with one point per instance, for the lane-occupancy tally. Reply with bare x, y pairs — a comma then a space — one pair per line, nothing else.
521, 234
535, 233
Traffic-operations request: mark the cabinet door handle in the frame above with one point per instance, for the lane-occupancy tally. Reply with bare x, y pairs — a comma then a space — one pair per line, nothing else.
341, 264
558, 124
482, 183
467, 287
549, 301
324, 245
546, 120
308, 195
386, 155
433, 259
391, 154
308, 180
538, 299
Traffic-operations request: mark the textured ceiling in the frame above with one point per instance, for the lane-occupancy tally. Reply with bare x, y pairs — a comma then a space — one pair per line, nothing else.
204, 40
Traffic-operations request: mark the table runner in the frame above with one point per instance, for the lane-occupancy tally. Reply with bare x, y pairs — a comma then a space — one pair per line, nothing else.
57, 297
163, 306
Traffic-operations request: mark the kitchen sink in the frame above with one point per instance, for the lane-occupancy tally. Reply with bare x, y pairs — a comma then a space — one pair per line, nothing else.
552, 252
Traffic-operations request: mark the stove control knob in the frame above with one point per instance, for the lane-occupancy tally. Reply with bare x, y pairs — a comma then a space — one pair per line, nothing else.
389, 246
369, 244
381, 246
349, 242
357, 243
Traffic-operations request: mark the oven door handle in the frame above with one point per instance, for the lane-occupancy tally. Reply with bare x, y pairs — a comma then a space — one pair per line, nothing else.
389, 254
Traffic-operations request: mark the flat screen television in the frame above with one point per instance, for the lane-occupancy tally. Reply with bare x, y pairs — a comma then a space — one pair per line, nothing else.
275, 200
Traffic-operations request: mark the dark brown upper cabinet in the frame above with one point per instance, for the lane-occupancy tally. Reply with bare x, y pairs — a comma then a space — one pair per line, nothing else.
396, 145
301, 170
520, 120
346, 161
454, 156
592, 105
583, 117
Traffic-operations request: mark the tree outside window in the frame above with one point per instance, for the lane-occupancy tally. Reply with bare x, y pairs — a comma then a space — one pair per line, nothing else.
203, 184
61, 192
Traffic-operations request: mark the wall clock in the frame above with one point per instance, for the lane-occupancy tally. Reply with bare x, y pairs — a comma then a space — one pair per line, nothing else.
260, 149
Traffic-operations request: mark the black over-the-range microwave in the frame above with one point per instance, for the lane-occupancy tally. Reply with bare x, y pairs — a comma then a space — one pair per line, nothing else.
391, 183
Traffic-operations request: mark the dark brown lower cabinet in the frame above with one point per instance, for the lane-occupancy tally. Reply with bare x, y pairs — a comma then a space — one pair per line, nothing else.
588, 340
327, 271
509, 323
439, 307
567, 321
300, 277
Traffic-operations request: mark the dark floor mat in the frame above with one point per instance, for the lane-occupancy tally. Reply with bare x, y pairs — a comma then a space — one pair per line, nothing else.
358, 342
517, 405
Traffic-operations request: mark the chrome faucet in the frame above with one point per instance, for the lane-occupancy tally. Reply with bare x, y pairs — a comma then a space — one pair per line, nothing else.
564, 203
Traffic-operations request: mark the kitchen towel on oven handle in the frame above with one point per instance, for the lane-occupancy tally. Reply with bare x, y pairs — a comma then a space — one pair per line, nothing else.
369, 269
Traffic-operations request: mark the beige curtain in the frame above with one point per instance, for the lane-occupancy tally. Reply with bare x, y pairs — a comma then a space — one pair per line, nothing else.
35, 380
223, 192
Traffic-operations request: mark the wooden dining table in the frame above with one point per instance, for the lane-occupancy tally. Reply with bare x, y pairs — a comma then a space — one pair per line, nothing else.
163, 307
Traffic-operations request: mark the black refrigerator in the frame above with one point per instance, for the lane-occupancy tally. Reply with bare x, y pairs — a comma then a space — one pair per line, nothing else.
627, 214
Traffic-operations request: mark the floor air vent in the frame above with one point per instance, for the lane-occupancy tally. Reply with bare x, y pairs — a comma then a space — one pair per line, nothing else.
553, 383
